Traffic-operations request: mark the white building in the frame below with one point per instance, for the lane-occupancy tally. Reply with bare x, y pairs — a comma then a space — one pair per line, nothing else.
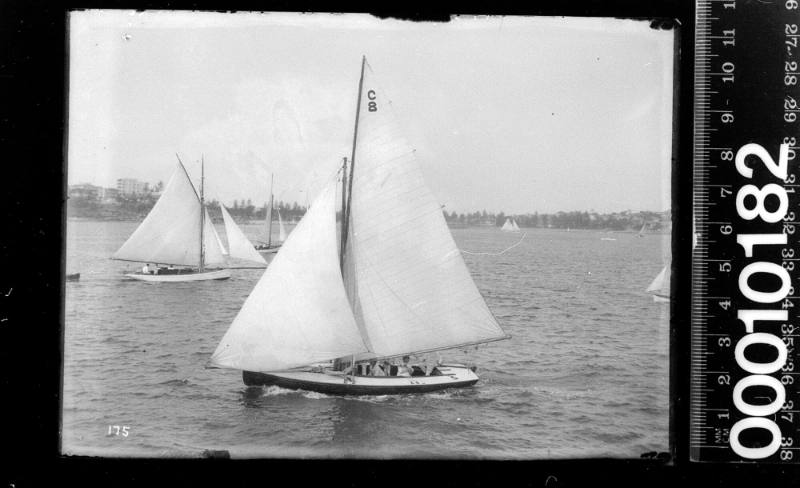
130, 186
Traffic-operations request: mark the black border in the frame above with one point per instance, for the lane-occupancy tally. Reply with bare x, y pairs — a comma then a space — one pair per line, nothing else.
33, 51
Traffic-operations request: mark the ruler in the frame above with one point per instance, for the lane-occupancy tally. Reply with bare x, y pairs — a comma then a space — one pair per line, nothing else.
745, 319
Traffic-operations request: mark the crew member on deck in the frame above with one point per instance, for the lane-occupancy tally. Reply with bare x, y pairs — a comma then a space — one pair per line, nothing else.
146, 268
405, 368
375, 369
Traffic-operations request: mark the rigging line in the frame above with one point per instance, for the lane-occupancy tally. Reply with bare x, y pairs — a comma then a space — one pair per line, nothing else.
496, 253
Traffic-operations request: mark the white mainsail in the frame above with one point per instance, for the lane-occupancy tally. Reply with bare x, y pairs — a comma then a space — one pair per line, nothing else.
298, 313
238, 244
514, 225
281, 228
406, 279
170, 234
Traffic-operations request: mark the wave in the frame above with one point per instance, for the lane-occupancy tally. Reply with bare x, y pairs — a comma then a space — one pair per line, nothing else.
177, 382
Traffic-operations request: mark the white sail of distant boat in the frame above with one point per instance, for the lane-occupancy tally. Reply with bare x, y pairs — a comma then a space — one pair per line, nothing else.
659, 287
238, 244
178, 232
281, 228
641, 231
510, 225
397, 285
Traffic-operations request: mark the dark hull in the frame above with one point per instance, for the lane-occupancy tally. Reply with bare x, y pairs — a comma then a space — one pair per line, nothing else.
263, 379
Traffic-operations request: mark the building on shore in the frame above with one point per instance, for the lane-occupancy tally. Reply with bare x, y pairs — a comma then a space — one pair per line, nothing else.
131, 186
85, 191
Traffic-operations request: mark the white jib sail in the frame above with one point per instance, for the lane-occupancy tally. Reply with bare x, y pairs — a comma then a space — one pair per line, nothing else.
281, 229
214, 251
298, 313
514, 225
238, 245
216, 234
406, 279
507, 226
170, 234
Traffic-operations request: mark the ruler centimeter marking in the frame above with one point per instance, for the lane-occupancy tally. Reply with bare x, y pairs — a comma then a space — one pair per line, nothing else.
743, 388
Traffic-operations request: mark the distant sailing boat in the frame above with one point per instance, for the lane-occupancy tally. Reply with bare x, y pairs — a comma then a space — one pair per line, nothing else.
269, 247
510, 225
659, 288
238, 245
177, 232
641, 231
395, 284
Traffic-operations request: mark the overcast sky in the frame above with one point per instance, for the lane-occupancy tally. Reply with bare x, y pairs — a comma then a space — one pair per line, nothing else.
514, 114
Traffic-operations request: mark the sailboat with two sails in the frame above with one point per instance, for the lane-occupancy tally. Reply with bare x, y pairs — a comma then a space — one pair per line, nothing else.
270, 247
179, 238
394, 284
510, 225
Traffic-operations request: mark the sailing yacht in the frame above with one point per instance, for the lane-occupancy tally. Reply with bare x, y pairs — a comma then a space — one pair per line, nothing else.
393, 285
178, 233
641, 231
510, 225
269, 247
659, 287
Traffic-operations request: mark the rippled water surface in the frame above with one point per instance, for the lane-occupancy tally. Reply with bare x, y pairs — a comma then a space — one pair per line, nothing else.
584, 374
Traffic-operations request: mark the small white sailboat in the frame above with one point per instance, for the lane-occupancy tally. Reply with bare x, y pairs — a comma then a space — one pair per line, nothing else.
178, 235
641, 231
659, 287
510, 225
395, 284
239, 245
268, 247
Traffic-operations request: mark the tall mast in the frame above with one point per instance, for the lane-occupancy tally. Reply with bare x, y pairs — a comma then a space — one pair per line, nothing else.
271, 205
346, 218
344, 205
202, 215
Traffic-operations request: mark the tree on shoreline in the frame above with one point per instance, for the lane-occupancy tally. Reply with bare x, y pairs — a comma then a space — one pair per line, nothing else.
134, 207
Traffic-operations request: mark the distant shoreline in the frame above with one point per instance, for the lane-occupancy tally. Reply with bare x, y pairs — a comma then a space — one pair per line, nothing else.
459, 226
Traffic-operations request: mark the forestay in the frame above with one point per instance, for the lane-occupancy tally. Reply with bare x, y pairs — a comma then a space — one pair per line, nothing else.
298, 313
409, 287
238, 245
170, 234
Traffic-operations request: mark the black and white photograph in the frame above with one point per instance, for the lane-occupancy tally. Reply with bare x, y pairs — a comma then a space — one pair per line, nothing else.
334, 235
